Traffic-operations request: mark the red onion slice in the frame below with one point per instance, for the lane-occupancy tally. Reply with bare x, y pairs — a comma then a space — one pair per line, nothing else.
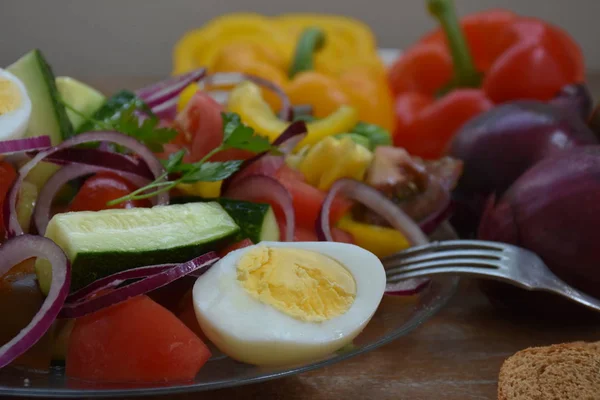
13, 227
233, 78
26, 144
152, 282
377, 202
374, 200
261, 188
166, 110
170, 88
101, 158
42, 211
15, 251
115, 280
266, 163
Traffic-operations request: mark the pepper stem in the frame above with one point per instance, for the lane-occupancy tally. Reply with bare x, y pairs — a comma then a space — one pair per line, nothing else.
465, 74
311, 40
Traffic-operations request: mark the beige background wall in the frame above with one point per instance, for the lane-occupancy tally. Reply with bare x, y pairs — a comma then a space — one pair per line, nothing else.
135, 37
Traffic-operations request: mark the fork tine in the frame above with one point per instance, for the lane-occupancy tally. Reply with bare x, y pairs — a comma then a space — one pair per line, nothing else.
446, 268
446, 255
446, 245
472, 263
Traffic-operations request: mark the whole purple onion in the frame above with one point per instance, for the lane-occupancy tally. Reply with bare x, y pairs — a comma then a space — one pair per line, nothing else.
553, 209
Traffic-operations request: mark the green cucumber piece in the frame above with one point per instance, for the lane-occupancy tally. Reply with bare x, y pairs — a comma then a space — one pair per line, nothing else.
257, 221
113, 107
104, 242
81, 97
48, 115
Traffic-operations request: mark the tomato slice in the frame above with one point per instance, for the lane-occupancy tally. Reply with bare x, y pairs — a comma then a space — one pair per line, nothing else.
201, 127
102, 188
308, 199
121, 343
307, 235
7, 178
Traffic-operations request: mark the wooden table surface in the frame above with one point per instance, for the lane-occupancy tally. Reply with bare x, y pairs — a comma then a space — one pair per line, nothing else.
456, 355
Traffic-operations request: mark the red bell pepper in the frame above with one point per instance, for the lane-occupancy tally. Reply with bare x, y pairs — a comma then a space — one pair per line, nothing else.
464, 68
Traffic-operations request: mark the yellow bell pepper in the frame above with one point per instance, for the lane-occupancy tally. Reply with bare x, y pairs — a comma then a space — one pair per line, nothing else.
379, 240
201, 189
332, 159
246, 100
322, 61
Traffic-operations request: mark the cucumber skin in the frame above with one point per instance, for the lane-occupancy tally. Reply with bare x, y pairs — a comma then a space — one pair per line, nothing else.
88, 267
64, 123
112, 108
247, 215
60, 113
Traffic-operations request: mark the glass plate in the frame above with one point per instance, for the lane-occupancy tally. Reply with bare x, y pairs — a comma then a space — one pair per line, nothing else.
395, 317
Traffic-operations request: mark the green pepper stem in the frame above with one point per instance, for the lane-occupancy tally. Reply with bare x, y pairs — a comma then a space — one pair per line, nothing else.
311, 40
465, 74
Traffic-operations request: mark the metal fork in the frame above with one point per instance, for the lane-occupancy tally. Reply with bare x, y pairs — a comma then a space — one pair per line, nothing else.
482, 259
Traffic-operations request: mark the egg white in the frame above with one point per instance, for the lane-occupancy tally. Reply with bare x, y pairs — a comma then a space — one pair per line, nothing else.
256, 333
13, 125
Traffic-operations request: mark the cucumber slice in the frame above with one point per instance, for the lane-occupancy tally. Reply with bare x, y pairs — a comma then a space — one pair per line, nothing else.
48, 115
102, 243
257, 221
81, 97
112, 108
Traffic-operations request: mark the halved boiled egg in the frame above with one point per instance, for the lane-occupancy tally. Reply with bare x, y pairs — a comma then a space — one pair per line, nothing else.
15, 107
281, 303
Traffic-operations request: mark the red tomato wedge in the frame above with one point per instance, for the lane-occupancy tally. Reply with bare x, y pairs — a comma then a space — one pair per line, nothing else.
102, 188
308, 199
201, 127
7, 177
306, 235
134, 341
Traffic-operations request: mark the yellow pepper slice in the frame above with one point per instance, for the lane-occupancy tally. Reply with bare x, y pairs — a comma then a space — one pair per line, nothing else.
246, 100
201, 189
332, 159
379, 240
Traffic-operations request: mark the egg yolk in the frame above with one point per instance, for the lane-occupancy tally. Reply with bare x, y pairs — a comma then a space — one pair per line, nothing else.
10, 97
303, 284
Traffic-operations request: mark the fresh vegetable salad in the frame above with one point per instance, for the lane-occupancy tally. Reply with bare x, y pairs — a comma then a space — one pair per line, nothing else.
245, 203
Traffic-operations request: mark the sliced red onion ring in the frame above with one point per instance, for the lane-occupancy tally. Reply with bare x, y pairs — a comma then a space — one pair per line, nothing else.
266, 163
377, 202
42, 211
374, 200
266, 189
26, 144
115, 280
10, 214
15, 251
90, 305
233, 78
170, 88
166, 110
101, 158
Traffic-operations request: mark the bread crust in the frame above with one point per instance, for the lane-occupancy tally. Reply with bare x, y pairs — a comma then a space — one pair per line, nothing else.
561, 371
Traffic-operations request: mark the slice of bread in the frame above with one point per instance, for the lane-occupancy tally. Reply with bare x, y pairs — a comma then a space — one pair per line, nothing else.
569, 371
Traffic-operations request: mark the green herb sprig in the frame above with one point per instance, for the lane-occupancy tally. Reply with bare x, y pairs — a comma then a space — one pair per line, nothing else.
236, 135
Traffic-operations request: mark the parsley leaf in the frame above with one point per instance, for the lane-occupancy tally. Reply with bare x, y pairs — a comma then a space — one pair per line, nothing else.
239, 136
174, 161
211, 171
147, 132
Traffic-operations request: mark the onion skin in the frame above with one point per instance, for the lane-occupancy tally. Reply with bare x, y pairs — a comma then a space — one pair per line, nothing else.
553, 210
500, 145
575, 98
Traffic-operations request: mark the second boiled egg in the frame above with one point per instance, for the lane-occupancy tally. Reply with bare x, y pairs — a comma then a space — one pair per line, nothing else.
15, 107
